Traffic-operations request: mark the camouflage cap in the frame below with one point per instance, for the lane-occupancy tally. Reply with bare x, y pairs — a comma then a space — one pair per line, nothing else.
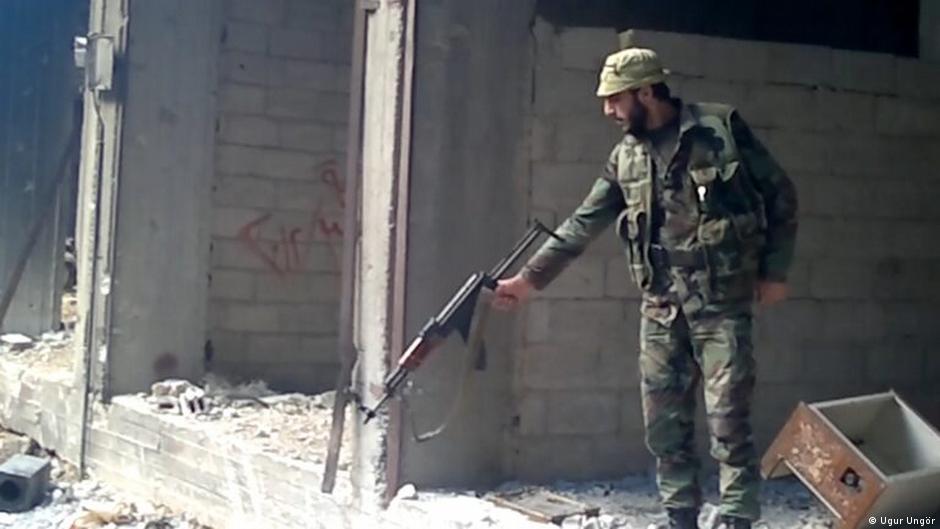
630, 68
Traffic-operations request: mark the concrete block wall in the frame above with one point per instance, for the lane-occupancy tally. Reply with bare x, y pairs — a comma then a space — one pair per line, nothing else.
278, 190
858, 133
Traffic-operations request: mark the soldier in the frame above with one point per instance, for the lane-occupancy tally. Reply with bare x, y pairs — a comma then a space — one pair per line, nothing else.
708, 220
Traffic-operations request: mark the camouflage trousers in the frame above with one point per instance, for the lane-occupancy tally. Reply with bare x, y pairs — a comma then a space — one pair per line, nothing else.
714, 347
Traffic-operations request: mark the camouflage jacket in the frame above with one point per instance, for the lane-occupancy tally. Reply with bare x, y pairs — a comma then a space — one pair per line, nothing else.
746, 224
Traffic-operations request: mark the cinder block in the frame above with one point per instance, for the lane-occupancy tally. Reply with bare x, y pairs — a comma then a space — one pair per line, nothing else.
576, 323
245, 191
565, 92
547, 458
562, 186
681, 53
711, 90
788, 325
799, 64
836, 364
532, 413
850, 321
326, 107
251, 68
903, 279
250, 317
273, 163
298, 195
320, 349
631, 413
852, 112
735, 60
837, 278
918, 79
621, 454
860, 155
304, 14
227, 221
781, 107
306, 137
778, 362
235, 254
542, 139
598, 354
275, 348
798, 278
582, 279
232, 285
585, 139
229, 345
298, 287
864, 71
269, 12
898, 361
316, 75
586, 48
798, 151
341, 141
903, 117
617, 280
248, 130
245, 36
308, 318
23, 482
241, 99
327, 46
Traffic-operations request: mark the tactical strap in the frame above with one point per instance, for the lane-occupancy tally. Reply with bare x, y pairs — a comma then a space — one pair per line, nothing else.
474, 353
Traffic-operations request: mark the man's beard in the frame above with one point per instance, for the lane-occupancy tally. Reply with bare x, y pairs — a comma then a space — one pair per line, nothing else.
636, 120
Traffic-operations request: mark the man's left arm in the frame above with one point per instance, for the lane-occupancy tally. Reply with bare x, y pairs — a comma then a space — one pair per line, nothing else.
779, 197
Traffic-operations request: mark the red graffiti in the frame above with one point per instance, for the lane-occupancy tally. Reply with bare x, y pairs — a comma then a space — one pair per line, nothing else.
289, 252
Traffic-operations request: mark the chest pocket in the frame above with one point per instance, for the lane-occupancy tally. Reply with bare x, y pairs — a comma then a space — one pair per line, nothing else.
633, 177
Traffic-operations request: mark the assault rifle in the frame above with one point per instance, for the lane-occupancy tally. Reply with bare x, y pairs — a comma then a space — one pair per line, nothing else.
456, 315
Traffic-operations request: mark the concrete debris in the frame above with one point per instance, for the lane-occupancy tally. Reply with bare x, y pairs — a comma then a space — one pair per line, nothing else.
51, 352
292, 425
178, 396
407, 492
629, 503
16, 342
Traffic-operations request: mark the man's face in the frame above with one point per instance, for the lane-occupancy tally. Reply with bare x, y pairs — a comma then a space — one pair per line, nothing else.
627, 110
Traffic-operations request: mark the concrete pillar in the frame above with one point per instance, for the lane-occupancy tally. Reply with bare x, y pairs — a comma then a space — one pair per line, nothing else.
466, 208
152, 226
381, 149
930, 30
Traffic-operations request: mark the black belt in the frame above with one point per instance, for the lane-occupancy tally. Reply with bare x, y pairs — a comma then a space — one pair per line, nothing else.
662, 258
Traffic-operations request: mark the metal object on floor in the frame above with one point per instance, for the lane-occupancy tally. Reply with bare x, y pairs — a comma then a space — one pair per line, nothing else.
863, 457
23, 482
542, 505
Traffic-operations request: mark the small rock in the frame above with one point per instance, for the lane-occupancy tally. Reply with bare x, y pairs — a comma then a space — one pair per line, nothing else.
407, 492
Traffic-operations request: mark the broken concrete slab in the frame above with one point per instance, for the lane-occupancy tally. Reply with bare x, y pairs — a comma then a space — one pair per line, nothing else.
16, 341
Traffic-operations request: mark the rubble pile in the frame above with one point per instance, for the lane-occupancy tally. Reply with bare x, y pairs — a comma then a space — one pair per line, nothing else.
629, 503
71, 503
292, 425
52, 351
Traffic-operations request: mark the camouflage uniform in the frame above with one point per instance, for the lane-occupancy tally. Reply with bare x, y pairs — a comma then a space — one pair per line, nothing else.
701, 224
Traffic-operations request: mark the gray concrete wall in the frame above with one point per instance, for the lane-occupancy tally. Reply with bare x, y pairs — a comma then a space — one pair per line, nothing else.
466, 208
38, 88
857, 132
929, 31
158, 282
278, 190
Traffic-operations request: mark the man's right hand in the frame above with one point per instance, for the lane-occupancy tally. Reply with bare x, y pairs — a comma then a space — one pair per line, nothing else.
512, 292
